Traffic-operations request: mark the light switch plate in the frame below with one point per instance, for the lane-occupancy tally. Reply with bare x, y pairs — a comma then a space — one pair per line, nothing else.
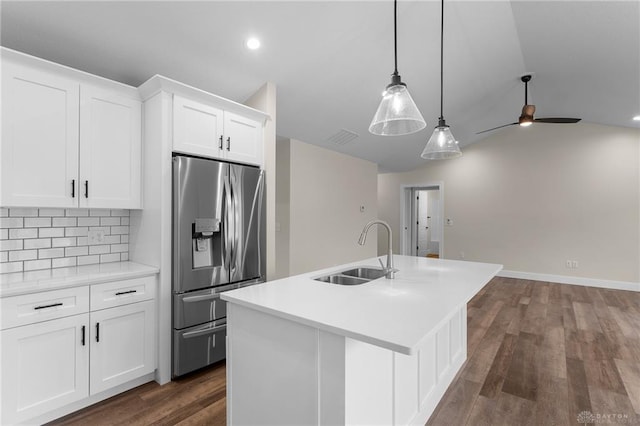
96, 237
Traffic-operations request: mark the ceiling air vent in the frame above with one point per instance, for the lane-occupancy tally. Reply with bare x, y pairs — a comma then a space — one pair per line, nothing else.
343, 137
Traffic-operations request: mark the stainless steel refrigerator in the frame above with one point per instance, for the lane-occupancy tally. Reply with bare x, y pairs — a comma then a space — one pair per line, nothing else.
218, 245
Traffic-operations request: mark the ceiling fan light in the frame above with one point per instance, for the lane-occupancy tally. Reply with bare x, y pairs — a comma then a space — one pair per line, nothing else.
442, 145
397, 113
525, 121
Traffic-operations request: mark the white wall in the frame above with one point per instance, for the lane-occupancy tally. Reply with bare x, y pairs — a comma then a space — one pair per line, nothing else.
283, 206
533, 198
326, 190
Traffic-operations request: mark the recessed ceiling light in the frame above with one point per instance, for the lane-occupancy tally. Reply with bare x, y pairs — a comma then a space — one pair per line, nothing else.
636, 118
252, 43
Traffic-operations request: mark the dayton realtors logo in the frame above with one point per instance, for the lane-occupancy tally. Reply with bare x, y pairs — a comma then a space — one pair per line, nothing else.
587, 417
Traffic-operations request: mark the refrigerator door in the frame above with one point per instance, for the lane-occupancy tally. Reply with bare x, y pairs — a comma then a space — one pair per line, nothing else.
248, 251
201, 240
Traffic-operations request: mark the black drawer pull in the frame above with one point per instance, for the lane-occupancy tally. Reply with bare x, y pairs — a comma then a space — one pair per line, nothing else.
220, 141
47, 306
73, 188
83, 335
97, 332
228, 143
86, 189
126, 292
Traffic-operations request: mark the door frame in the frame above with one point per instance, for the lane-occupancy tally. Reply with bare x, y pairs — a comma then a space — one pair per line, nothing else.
406, 204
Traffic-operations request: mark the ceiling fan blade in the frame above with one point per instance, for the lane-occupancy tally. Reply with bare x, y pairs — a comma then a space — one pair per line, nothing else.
495, 128
559, 120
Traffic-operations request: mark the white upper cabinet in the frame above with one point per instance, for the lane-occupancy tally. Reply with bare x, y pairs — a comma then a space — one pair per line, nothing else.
39, 147
67, 142
197, 128
242, 139
110, 149
205, 130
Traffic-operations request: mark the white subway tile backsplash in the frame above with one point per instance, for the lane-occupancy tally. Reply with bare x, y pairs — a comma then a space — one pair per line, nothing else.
100, 249
88, 260
50, 232
77, 212
51, 212
109, 221
63, 242
37, 243
6, 268
34, 265
99, 212
33, 239
22, 233
65, 221
63, 262
37, 222
119, 230
11, 222
76, 232
22, 212
89, 221
119, 248
51, 252
114, 257
7, 245
76, 251
20, 255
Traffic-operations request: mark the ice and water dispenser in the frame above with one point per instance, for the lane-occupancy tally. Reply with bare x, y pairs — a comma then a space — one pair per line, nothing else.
206, 244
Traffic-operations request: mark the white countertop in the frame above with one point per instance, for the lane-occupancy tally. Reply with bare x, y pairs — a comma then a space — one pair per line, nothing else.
18, 283
394, 314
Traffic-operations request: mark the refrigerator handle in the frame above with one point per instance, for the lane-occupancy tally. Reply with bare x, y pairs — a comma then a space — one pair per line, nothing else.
237, 222
228, 242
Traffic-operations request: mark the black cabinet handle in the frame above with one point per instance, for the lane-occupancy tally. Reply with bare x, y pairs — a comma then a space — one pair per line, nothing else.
47, 306
97, 332
83, 343
125, 292
73, 188
228, 143
220, 141
86, 189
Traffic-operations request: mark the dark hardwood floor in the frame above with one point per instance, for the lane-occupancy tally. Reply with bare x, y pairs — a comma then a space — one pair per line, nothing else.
538, 354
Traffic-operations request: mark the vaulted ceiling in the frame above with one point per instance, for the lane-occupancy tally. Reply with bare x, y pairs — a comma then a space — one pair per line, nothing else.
331, 60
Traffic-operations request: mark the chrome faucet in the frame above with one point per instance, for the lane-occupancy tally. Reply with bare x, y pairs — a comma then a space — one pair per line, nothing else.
389, 271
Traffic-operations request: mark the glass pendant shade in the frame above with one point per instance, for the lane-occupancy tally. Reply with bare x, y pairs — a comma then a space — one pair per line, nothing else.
397, 114
441, 145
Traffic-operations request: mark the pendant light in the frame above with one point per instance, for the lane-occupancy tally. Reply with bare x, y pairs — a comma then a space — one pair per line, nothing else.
442, 144
397, 113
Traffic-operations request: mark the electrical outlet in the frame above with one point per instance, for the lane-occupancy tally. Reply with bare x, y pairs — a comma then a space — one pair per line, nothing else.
574, 264
96, 237
568, 264
449, 222
462, 255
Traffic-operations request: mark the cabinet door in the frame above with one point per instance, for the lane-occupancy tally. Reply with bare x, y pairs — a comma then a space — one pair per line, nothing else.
242, 139
122, 344
39, 146
110, 150
197, 128
44, 366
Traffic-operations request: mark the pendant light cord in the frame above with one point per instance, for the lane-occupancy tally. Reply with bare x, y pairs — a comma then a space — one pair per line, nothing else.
441, 58
395, 36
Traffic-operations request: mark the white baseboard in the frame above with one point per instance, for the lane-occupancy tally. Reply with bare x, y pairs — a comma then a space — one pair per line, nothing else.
563, 279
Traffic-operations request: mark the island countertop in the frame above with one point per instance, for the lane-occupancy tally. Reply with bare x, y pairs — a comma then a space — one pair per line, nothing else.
395, 314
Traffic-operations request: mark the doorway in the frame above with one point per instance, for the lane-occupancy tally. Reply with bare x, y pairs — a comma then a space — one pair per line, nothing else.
422, 213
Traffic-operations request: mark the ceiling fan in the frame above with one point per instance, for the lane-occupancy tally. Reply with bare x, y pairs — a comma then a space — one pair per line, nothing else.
526, 118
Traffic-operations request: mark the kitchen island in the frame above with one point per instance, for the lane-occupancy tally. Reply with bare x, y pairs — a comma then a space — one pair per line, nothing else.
306, 352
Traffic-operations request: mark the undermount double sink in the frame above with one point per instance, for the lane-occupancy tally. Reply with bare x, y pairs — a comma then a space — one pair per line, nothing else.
353, 276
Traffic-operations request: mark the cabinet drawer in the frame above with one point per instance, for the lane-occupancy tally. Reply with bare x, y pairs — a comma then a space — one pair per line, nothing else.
37, 307
119, 293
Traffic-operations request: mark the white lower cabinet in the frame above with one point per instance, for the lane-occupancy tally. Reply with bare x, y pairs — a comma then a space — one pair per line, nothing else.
44, 366
58, 349
122, 344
